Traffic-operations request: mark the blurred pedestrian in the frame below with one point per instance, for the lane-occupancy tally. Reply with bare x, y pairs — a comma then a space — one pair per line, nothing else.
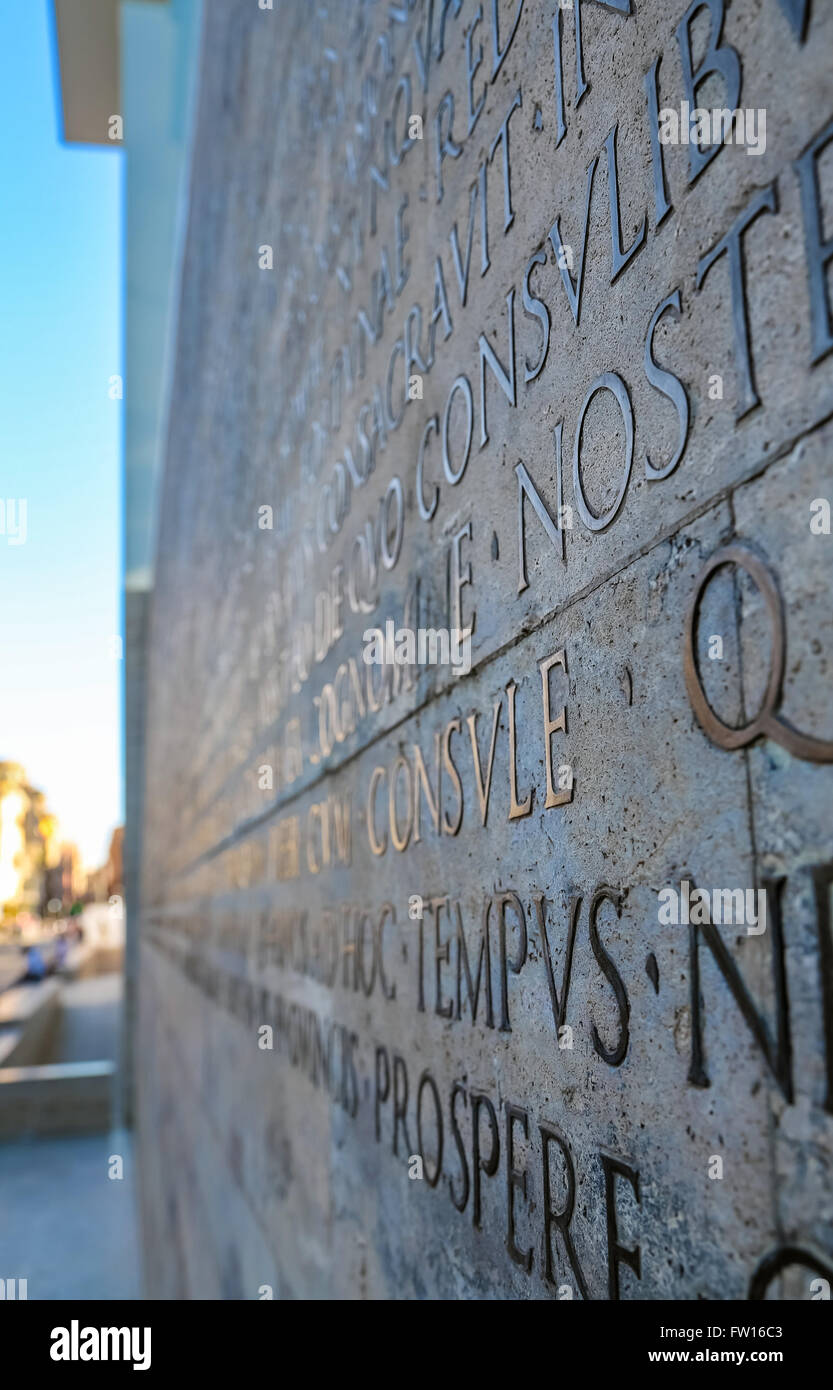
35, 963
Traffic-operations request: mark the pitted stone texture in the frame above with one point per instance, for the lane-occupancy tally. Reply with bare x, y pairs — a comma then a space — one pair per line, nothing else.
289, 1167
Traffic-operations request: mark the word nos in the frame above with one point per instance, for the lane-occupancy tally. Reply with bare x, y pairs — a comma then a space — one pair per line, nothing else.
425, 647
707, 128
718, 905
418, 783
77, 1343
472, 1123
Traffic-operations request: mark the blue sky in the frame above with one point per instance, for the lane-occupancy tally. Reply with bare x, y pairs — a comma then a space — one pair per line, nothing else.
61, 259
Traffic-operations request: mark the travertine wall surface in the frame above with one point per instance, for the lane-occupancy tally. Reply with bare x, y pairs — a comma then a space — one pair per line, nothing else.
512, 983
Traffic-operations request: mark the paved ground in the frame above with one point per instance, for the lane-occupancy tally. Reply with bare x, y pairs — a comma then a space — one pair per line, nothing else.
90, 1018
65, 1226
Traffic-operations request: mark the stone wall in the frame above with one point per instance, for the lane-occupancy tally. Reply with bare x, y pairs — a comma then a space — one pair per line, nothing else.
514, 982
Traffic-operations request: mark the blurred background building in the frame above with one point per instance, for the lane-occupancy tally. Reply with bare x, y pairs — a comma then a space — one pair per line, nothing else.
37, 867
